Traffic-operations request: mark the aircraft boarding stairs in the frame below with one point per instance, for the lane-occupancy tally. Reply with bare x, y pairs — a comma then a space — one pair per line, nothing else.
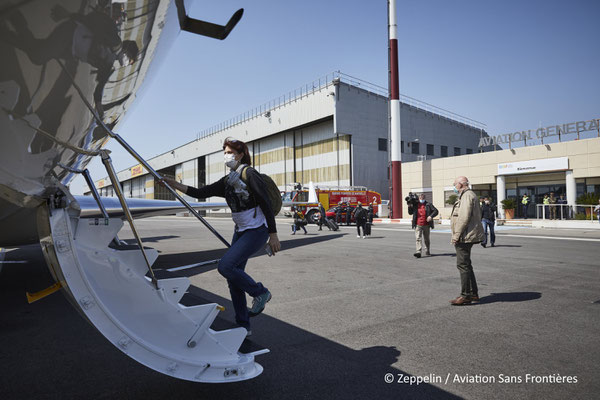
118, 292
112, 290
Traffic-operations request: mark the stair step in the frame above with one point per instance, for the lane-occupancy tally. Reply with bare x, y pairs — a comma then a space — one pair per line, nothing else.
196, 296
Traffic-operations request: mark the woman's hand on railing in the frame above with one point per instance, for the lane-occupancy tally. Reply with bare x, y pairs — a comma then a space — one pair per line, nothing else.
173, 183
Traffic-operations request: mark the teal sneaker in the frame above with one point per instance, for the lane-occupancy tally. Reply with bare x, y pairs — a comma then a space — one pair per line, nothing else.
258, 303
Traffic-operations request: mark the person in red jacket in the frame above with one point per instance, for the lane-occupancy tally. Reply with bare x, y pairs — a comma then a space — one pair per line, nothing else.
422, 222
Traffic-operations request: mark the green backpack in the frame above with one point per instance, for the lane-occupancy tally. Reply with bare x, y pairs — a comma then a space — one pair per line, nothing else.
272, 190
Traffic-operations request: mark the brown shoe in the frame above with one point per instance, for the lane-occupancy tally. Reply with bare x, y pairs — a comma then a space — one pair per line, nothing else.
475, 298
460, 300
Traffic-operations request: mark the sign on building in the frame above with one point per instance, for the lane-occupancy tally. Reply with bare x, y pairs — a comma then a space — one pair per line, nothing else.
541, 133
526, 167
137, 170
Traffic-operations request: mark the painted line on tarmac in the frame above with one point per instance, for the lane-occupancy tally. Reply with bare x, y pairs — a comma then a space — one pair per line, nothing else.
408, 230
551, 237
502, 234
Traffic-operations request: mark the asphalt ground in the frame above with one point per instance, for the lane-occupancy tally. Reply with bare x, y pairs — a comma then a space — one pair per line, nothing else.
345, 312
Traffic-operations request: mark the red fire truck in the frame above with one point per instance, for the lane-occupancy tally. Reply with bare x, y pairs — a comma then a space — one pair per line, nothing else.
329, 197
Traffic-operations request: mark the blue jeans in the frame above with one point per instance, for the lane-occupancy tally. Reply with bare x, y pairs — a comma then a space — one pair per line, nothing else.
295, 228
525, 207
243, 245
488, 223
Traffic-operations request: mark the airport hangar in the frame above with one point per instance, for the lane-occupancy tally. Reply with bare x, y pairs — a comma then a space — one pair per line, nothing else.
333, 132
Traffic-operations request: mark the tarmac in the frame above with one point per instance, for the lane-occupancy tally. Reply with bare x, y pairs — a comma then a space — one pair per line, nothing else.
347, 315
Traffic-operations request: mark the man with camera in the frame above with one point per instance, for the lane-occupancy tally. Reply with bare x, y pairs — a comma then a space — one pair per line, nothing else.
422, 221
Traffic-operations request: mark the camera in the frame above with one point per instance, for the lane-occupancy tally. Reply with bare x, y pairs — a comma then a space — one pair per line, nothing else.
412, 199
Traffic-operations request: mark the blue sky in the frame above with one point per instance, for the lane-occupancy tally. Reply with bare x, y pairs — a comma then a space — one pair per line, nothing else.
509, 64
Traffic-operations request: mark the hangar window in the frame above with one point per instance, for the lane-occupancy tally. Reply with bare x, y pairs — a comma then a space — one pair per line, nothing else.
382, 144
402, 146
444, 151
457, 151
429, 149
469, 151
415, 147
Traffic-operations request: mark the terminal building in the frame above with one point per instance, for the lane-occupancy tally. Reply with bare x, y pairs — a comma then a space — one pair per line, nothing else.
333, 132
560, 159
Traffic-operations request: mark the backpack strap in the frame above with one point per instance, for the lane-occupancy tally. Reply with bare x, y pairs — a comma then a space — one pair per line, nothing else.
244, 177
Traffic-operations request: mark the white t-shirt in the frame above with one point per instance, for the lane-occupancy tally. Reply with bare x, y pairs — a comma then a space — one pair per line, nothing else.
245, 220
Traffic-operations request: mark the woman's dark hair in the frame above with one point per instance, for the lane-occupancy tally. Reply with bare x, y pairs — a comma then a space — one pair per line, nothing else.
239, 147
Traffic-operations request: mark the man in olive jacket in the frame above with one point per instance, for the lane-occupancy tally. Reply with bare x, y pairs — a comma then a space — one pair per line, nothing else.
467, 230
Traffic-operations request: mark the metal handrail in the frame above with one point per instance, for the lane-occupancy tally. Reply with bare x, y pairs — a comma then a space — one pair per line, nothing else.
117, 187
139, 158
570, 210
90, 183
152, 172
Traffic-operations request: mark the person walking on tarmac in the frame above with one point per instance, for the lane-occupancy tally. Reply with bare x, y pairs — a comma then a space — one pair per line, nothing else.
299, 221
254, 220
465, 223
422, 222
370, 214
360, 216
488, 219
322, 217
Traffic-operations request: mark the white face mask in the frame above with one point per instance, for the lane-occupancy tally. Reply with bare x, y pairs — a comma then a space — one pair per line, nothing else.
230, 160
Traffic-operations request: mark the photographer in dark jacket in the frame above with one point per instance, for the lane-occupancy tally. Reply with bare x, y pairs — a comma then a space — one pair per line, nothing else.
360, 216
488, 219
423, 214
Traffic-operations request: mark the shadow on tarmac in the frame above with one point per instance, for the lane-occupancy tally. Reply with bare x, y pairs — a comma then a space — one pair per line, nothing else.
442, 255
49, 351
153, 239
165, 261
509, 297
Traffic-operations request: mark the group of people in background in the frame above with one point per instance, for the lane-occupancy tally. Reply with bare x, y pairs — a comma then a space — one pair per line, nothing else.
344, 212
554, 208
247, 194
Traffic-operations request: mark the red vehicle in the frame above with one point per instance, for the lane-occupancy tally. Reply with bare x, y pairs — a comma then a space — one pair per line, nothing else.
329, 198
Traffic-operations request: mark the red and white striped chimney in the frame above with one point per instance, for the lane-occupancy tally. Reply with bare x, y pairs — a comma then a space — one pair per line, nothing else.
396, 149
